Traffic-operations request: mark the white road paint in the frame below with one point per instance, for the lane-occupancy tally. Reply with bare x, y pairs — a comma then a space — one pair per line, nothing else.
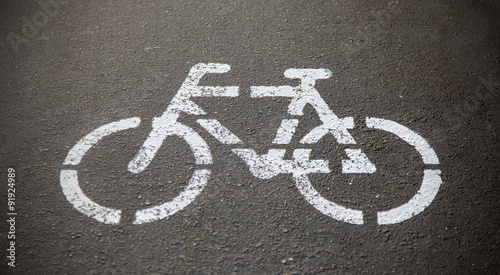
189, 88
431, 181
69, 178
424, 197
357, 163
262, 166
167, 209
301, 165
337, 127
286, 131
75, 195
161, 129
272, 164
167, 124
83, 145
325, 206
304, 94
163, 126
412, 138
221, 133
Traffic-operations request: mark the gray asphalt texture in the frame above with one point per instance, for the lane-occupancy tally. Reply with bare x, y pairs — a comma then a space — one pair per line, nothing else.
432, 66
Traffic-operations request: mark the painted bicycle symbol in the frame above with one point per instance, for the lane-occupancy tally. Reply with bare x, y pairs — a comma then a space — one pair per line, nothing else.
262, 166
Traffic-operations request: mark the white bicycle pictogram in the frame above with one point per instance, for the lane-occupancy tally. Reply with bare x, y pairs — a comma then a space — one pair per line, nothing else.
262, 166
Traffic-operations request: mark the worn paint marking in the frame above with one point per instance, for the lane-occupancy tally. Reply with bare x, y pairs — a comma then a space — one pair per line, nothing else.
167, 124
285, 131
83, 145
304, 94
221, 133
358, 162
262, 166
424, 197
167, 209
75, 195
271, 164
412, 138
325, 206
161, 129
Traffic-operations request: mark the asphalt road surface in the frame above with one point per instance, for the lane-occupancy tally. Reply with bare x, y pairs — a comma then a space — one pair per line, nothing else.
267, 174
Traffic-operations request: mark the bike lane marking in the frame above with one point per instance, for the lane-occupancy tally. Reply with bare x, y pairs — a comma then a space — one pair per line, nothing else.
167, 209
83, 145
80, 201
217, 130
271, 164
69, 177
75, 195
261, 166
328, 208
431, 180
357, 163
409, 136
285, 131
163, 126
167, 124
303, 94
417, 204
